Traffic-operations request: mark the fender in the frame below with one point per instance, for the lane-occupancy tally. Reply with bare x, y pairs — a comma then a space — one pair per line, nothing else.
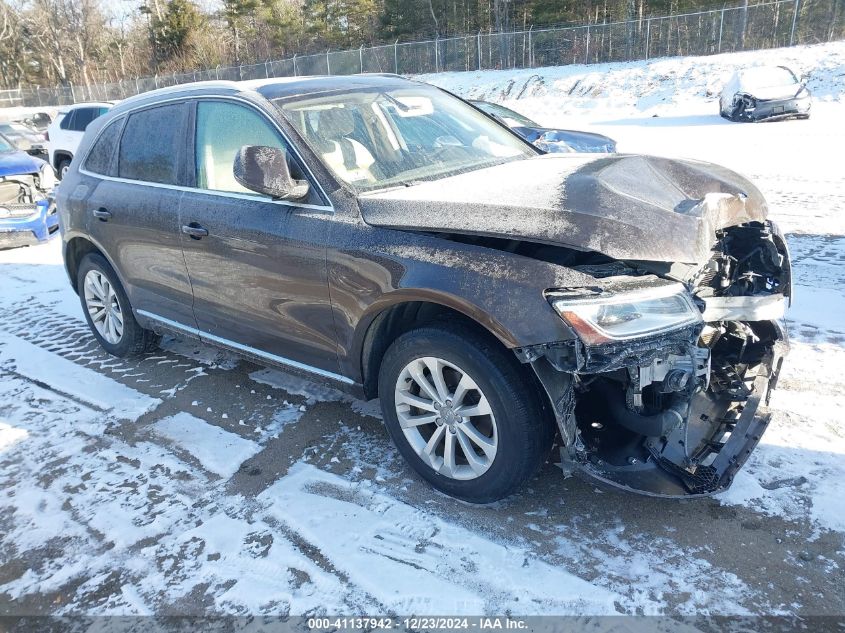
68, 236
500, 291
435, 296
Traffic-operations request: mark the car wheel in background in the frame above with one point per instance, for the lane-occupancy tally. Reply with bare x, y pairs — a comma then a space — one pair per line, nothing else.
463, 412
107, 309
64, 165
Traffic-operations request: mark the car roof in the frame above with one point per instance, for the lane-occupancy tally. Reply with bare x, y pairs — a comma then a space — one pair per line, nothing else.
295, 86
273, 88
764, 69
88, 104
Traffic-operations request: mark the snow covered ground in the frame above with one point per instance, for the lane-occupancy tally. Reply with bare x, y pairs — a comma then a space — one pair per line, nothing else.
194, 482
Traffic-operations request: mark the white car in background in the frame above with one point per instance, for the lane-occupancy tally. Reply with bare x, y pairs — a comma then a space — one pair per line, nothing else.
764, 93
67, 129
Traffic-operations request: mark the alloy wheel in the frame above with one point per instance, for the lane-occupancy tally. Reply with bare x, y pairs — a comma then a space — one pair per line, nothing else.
446, 418
103, 306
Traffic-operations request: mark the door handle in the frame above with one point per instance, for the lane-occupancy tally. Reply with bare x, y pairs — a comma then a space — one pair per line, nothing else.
194, 230
102, 214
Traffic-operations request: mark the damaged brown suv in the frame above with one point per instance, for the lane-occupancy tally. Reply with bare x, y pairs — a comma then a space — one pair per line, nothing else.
391, 239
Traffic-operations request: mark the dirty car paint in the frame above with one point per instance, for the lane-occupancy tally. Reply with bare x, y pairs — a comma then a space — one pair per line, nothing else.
625, 207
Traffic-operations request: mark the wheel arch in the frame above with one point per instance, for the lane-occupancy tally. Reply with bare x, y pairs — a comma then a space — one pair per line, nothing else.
59, 155
75, 249
384, 322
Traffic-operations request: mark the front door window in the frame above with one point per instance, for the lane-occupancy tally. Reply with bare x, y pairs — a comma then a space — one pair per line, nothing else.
222, 129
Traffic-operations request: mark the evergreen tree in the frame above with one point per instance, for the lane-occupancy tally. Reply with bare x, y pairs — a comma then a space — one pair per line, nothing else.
171, 24
237, 14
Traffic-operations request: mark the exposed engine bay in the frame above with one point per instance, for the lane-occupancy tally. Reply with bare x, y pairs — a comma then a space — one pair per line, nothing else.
27, 210
677, 414
678, 285
22, 191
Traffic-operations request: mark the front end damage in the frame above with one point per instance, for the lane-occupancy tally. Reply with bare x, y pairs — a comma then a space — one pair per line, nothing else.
676, 412
748, 108
27, 209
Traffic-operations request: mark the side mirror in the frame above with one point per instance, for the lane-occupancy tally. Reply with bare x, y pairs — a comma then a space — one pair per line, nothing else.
265, 170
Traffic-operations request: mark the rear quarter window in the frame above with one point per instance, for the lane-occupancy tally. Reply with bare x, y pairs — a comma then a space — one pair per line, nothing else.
153, 143
99, 160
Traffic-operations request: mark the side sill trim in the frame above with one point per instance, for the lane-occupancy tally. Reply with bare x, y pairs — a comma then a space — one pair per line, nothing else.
279, 360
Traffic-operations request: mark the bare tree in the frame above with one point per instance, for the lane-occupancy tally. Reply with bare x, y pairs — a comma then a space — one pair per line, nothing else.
743, 24
86, 25
11, 47
434, 18
47, 39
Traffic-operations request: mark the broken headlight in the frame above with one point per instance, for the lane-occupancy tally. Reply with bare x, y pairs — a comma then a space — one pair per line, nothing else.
602, 317
46, 178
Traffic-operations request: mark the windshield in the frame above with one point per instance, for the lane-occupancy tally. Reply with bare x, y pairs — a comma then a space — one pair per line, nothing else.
511, 118
6, 145
374, 139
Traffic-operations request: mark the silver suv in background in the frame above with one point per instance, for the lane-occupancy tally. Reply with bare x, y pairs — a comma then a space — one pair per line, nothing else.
764, 93
66, 130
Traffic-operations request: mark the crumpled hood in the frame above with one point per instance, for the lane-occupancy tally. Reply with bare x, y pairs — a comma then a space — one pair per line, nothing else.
18, 163
627, 207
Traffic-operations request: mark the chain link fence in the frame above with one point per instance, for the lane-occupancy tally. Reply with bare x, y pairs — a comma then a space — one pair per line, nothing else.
759, 26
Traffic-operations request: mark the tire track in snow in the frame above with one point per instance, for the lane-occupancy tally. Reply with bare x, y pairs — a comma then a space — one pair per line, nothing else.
416, 563
131, 528
71, 339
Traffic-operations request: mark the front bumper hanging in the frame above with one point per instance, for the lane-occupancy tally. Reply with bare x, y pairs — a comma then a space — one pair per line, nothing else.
662, 468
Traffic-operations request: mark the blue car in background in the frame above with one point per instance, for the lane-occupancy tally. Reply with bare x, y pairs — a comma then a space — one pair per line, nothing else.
551, 140
27, 210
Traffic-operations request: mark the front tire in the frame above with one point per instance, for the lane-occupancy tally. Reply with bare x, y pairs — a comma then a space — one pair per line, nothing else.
108, 311
463, 412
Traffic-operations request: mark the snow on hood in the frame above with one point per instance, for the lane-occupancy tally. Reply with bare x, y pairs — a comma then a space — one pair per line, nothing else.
765, 83
627, 207
18, 163
768, 93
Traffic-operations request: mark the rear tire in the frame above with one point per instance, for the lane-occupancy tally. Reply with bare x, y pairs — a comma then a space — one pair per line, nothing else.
108, 311
63, 167
507, 445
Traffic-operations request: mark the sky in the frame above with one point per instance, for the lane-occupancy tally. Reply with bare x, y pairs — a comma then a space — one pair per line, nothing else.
123, 9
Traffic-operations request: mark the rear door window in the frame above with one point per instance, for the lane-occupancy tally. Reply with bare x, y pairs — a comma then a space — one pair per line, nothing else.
83, 118
153, 145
